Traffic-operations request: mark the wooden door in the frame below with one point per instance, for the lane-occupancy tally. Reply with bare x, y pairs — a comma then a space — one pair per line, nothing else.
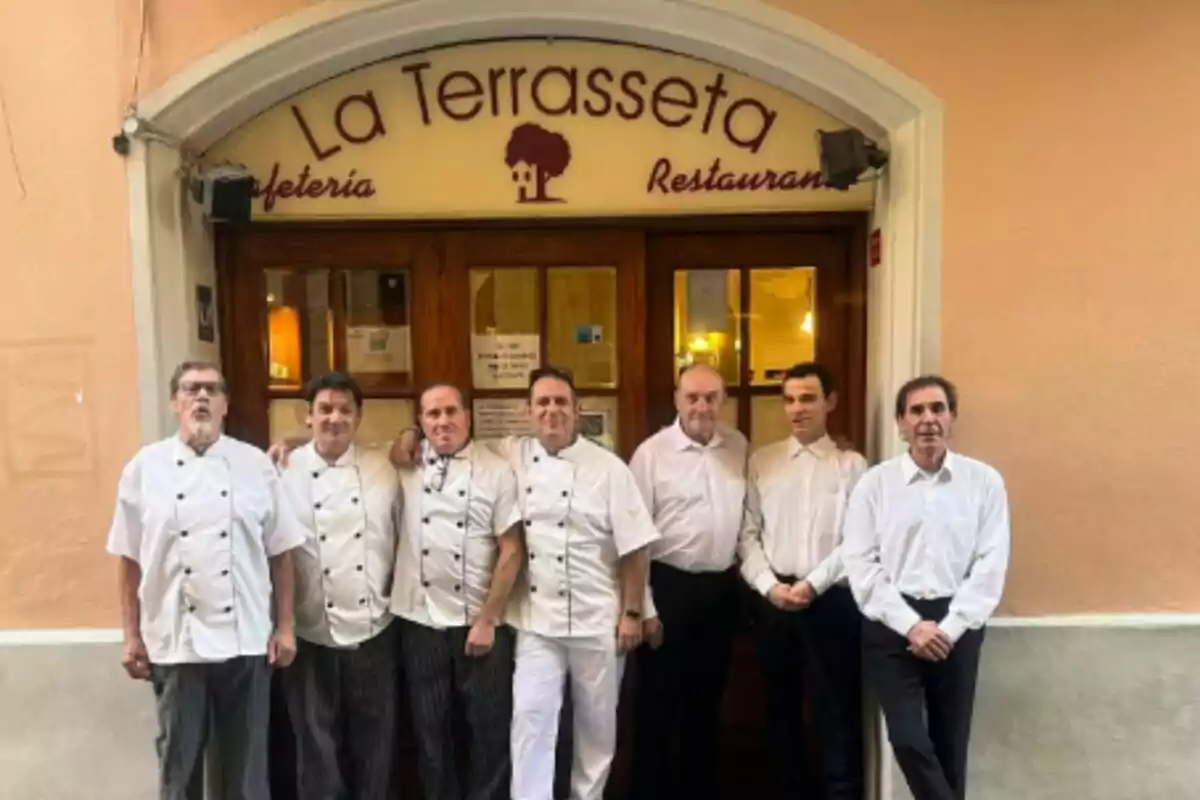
299, 303
751, 304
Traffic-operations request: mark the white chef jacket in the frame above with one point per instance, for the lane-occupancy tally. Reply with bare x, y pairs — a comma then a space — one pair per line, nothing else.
202, 528
928, 536
795, 506
344, 567
454, 509
695, 493
582, 512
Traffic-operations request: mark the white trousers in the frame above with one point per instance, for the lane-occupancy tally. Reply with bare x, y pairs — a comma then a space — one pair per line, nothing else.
595, 670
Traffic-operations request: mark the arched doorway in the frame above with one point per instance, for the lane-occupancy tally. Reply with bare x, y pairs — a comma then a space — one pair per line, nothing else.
226, 89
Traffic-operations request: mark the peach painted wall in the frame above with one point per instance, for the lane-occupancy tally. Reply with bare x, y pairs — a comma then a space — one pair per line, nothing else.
1069, 236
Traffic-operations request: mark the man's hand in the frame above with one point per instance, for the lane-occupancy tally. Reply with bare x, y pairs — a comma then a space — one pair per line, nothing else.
781, 597
135, 660
281, 651
405, 449
802, 594
652, 632
481, 637
629, 634
926, 640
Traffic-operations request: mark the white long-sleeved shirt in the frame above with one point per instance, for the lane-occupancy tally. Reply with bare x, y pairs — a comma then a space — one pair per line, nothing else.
795, 502
695, 493
928, 536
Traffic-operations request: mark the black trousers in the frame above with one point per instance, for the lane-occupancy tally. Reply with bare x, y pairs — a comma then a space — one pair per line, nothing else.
680, 685
823, 641
932, 756
443, 681
342, 706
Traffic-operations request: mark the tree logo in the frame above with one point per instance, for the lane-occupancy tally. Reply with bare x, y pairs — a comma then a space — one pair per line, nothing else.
535, 155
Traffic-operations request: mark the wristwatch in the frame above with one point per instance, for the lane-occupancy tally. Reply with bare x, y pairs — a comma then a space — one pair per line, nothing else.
633, 613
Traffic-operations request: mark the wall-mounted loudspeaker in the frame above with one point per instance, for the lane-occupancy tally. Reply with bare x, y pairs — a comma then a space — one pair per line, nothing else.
846, 155
224, 193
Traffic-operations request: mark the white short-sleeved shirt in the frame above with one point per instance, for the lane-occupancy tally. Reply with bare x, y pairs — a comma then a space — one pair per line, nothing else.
582, 512
695, 493
202, 528
344, 568
454, 509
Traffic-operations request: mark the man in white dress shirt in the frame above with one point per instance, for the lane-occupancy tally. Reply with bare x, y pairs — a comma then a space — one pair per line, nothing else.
341, 690
460, 553
692, 476
927, 544
580, 608
204, 537
806, 620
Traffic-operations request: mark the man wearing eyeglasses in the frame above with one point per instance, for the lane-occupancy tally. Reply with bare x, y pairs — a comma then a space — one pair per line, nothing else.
341, 690
459, 555
204, 539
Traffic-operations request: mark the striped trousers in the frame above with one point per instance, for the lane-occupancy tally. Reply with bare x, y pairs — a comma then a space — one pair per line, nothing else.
232, 700
444, 683
342, 704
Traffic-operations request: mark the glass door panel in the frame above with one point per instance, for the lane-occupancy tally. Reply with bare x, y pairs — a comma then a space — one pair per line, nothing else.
752, 306
557, 299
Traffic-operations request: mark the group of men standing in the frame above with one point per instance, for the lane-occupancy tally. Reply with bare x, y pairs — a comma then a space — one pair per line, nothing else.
510, 569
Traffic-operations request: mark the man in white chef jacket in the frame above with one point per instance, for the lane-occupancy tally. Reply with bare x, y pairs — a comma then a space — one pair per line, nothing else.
692, 476
204, 537
460, 553
579, 609
341, 690
927, 548
806, 620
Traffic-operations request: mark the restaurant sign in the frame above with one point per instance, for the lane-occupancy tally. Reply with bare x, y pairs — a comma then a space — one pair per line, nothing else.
528, 128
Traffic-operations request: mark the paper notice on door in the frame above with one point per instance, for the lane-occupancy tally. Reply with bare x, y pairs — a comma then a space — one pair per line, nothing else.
372, 349
504, 361
495, 418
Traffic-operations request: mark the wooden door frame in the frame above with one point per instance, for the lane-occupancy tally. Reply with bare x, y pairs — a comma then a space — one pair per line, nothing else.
243, 256
433, 248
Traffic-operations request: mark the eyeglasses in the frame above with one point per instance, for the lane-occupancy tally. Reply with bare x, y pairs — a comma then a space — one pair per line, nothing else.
193, 388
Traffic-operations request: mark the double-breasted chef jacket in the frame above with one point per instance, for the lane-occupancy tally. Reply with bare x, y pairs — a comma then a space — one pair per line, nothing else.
582, 512
454, 509
344, 568
203, 527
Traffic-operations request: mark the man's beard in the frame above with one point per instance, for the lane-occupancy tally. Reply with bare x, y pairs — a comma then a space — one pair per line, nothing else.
203, 431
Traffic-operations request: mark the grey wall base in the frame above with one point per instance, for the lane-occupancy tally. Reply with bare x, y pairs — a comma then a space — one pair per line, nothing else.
74, 727
1098, 713
1061, 714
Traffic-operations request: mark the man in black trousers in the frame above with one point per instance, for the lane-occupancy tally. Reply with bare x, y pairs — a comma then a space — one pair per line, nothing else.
691, 476
806, 622
927, 546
